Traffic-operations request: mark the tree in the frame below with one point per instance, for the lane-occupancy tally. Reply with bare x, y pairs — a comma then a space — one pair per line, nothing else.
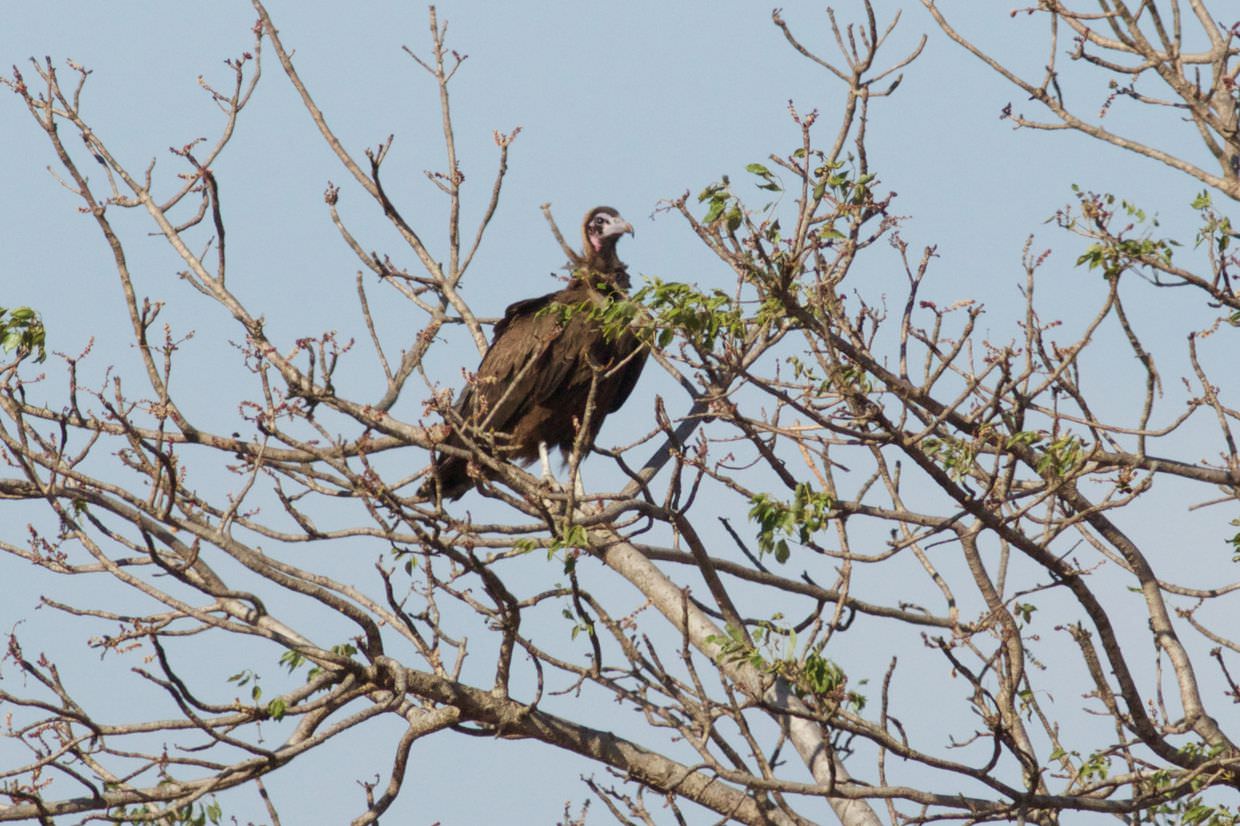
838, 484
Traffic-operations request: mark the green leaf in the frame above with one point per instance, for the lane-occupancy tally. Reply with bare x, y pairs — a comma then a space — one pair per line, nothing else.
23, 331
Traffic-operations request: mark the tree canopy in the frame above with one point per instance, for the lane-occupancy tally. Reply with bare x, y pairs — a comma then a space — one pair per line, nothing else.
856, 552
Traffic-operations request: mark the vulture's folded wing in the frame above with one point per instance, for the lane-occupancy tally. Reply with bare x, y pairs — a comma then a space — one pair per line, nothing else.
626, 378
521, 368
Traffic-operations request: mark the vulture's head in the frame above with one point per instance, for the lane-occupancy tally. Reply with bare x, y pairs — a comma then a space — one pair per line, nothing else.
601, 230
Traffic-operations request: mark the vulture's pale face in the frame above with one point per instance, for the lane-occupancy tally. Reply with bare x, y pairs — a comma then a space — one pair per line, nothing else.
604, 227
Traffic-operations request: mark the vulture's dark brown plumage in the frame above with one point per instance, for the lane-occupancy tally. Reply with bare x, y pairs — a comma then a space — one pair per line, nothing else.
533, 383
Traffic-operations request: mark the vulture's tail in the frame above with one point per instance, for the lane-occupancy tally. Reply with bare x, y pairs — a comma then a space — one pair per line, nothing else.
452, 473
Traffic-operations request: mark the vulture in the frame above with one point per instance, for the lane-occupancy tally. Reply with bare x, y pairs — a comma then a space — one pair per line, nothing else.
532, 388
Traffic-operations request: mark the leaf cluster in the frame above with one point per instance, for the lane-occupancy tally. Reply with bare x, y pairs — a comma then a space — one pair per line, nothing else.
777, 520
188, 815
701, 317
1114, 252
22, 330
773, 652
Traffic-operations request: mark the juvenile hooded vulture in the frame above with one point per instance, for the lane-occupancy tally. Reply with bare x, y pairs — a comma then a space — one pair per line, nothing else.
533, 385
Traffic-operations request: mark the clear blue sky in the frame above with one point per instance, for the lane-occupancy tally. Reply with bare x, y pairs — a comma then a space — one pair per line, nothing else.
620, 103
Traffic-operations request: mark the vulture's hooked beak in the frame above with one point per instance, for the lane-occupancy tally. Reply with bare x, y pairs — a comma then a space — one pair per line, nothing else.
617, 226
